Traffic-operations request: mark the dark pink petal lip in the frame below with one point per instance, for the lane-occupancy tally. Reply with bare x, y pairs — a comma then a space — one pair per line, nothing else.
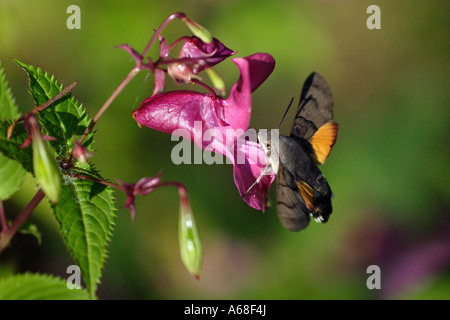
208, 54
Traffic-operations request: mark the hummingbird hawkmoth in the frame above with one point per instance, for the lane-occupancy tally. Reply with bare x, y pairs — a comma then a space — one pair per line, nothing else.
302, 190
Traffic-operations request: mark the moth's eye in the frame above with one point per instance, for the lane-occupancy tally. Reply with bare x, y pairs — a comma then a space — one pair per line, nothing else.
268, 147
320, 178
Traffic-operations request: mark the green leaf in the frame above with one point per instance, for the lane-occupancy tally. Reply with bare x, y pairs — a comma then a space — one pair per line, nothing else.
11, 177
11, 172
86, 210
8, 107
85, 214
38, 287
64, 118
10, 148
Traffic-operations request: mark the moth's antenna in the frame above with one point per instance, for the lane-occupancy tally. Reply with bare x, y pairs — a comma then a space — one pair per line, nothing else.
287, 109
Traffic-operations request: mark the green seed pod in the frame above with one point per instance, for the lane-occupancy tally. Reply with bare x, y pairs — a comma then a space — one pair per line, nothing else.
217, 81
190, 244
198, 30
44, 165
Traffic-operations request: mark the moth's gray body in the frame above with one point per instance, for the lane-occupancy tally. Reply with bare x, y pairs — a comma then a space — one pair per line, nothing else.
294, 163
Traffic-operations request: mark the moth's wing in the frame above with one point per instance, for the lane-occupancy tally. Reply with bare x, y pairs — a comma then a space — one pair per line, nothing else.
315, 107
323, 141
292, 211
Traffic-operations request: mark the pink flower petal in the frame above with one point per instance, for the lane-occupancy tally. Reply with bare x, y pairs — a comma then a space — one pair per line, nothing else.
160, 79
189, 110
247, 172
254, 70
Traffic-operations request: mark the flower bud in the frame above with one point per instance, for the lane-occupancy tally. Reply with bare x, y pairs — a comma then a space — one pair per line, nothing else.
217, 81
204, 55
79, 152
142, 187
44, 165
181, 73
190, 245
198, 30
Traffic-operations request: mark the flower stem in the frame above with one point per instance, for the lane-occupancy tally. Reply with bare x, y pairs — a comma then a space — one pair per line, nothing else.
176, 15
204, 85
104, 182
182, 191
184, 38
108, 102
52, 100
3, 218
6, 236
139, 66
42, 107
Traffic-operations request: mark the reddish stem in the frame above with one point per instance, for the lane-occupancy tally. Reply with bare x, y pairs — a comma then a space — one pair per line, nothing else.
177, 41
108, 102
139, 66
42, 107
104, 182
6, 236
176, 15
182, 191
3, 217
204, 85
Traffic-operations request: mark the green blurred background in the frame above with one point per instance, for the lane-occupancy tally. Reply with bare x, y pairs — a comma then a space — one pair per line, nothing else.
388, 170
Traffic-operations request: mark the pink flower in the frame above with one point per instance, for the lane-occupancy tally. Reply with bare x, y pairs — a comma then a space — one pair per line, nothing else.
194, 56
200, 55
194, 113
142, 187
79, 152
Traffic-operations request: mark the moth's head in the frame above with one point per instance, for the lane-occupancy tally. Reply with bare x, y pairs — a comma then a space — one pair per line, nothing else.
269, 141
264, 139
